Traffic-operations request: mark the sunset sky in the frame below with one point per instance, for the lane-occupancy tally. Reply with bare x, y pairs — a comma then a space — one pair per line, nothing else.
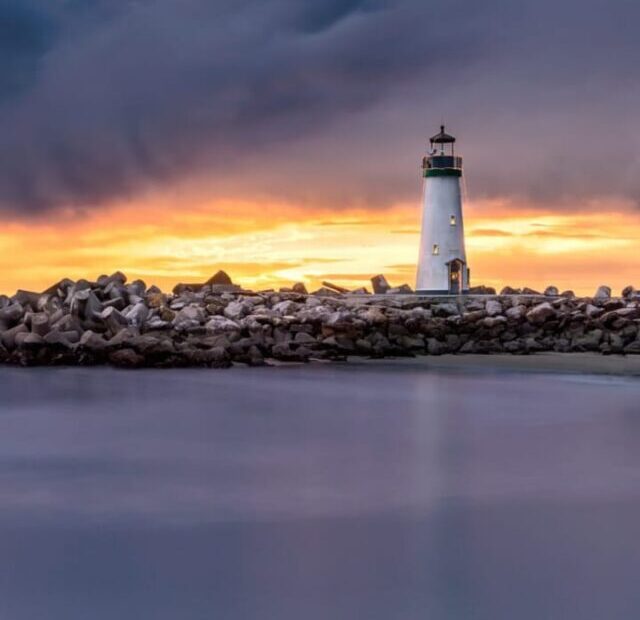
281, 140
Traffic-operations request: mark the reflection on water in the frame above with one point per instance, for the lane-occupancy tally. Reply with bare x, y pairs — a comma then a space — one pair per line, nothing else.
378, 492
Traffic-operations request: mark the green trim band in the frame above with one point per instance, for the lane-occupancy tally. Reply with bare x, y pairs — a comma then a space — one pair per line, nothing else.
442, 172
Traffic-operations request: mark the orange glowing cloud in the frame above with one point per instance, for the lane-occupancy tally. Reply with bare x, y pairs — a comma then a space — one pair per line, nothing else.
264, 245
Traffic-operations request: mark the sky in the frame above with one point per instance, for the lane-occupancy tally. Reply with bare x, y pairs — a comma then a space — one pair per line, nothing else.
281, 140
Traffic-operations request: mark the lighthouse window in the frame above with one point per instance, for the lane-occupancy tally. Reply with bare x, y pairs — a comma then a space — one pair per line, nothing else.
436, 249
452, 220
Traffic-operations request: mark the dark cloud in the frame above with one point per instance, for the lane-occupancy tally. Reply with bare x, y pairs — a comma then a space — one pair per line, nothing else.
326, 102
25, 34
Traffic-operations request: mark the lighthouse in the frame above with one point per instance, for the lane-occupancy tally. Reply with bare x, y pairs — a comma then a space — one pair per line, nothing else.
442, 262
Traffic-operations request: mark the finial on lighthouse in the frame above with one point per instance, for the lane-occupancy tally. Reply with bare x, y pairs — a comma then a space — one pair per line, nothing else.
442, 263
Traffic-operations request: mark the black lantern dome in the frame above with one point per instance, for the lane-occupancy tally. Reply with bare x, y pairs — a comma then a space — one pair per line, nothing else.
442, 137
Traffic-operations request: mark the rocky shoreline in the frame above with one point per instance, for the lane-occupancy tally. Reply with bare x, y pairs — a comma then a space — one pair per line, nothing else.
217, 324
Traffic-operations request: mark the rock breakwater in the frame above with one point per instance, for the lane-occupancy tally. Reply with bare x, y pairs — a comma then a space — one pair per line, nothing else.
111, 321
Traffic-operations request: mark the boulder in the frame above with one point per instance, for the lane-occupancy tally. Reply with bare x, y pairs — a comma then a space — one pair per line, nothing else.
515, 347
166, 314
435, 347
27, 298
569, 294
136, 315
286, 307
285, 353
67, 323
123, 338
137, 287
60, 288
61, 340
541, 313
236, 310
189, 317
220, 277
610, 318
412, 342
339, 343
633, 348
445, 309
299, 288
493, 321
92, 341
80, 285
335, 287
126, 358
12, 313
507, 290
374, 316
529, 291
117, 302
493, 307
603, 292
219, 324
516, 312
117, 294
152, 345
629, 292
551, 291
359, 291
613, 304
219, 289
325, 292
337, 320
474, 316
482, 290
156, 300
590, 341
592, 311
156, 322
8, 337
403, 289
118, 276
93, 306
113, 319
216, 357
40, 324
185, 287
28, 340
380, 284
304, 338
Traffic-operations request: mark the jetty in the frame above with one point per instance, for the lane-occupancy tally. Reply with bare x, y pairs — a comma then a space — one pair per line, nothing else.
219, 323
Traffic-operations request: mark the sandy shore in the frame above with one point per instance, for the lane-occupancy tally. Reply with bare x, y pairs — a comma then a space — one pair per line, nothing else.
580, 363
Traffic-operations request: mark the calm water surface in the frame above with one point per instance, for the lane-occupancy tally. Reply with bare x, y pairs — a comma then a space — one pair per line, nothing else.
334, 492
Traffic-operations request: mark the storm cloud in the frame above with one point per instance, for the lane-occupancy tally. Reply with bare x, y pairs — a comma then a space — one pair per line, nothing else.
328, 102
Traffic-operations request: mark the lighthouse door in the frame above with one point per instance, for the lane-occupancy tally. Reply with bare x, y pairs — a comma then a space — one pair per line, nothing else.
455, 277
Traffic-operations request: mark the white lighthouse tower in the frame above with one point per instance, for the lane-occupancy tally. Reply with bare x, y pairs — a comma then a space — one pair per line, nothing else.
442, 263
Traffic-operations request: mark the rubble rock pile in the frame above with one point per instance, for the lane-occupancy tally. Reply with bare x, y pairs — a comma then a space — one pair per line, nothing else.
218, 323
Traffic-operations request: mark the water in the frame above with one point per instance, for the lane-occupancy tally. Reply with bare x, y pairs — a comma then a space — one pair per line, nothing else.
334, 492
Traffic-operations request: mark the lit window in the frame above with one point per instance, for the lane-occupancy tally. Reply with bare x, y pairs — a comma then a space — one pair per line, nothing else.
436, 249
452, 220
